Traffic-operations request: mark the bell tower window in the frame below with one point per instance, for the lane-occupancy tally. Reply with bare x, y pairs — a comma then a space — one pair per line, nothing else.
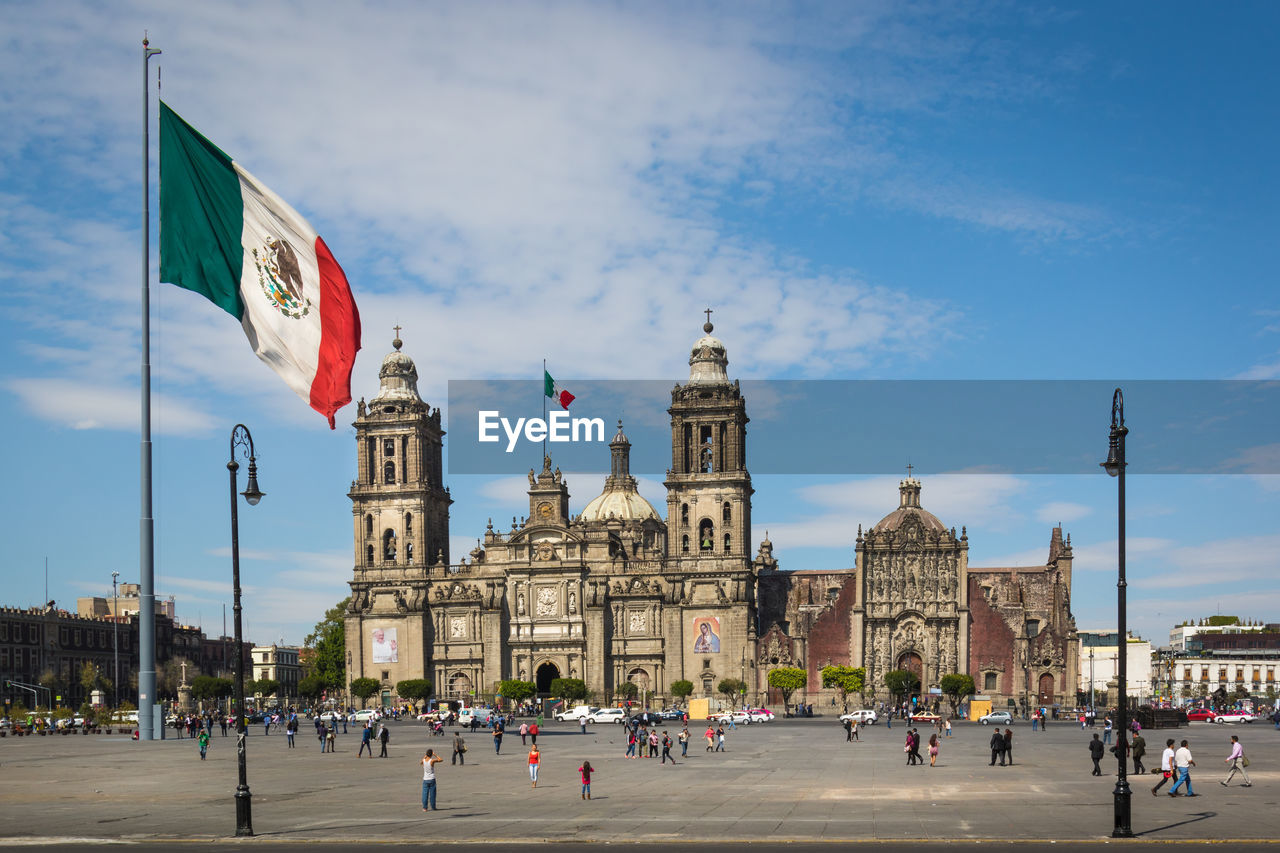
389, 473
684, 515
368, 525
408, 524
727, 543
389, 447
369, 556
705, 457
684, 544
389, 546
727, 513
706, 535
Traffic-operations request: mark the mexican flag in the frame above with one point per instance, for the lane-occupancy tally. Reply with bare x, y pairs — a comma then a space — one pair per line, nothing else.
549, 388
229, 238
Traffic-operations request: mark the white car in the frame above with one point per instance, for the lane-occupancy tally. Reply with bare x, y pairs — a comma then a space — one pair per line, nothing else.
1235, 717
865, 717
608, 715
364, 715
760, 715
331, 716
576, 713
737, 717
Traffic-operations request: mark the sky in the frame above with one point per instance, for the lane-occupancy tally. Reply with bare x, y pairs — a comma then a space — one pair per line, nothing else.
859, 190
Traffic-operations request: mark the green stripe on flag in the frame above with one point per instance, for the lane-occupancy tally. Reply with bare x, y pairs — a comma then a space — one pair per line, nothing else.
201, 215
548, 384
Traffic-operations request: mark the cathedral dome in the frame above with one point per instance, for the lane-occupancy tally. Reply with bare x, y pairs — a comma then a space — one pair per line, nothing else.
398, 377
708, 362
909, 507
620, 498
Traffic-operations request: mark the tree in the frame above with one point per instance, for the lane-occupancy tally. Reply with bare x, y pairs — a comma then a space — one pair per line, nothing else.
265, 687
49, 681
517, 691
844, 680
957, 687
206, 687
787, 680
329, 640
90, 677
682, 689
628, 690
901, 682
731, 687
311, 687
413, 689
363, 688
569, 689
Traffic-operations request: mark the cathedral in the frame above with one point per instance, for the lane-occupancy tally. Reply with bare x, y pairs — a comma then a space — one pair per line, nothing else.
617, 594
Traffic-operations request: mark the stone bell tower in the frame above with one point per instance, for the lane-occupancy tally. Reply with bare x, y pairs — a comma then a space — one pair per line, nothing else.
400, 513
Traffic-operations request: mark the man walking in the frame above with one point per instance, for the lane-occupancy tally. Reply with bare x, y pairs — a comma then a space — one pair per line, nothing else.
1008, 745
1139, 750
666, 748
848, 731
459, 749
1096, 750
1236, 759
683, 737
384, 735
1183, 762
1166, 766
366, 740
997, 747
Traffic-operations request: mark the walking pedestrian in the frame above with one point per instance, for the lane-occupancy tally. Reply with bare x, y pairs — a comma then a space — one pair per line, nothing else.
203, 741
711, 737
933, 750
331, 741
666, 748
1183, 762
585, 772
222, 721
1008, 745
533, 731
848, 731
720, 739
384, 735
1106, 731
683, 737
1166, 766
524, 734
632, 742
429, 762
1096, 750
855, 731
653, 743
459, 749
497, 740
582, 723
366, 740
997, 747
909, 748
1139, 747
948, 726
290, 730
534, 758
1236, 759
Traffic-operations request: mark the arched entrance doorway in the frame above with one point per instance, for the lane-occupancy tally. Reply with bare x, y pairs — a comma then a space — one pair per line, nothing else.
1046, 690
547, 673
914, 664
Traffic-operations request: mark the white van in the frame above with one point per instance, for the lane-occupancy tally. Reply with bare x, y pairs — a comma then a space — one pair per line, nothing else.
865, 717
576, 713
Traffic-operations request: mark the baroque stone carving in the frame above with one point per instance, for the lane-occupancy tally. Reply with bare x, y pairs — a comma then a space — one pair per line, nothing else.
457, 628
547, 600
637, 623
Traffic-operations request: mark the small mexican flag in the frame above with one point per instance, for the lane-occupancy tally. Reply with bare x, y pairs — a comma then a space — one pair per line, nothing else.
561, 396
232, 240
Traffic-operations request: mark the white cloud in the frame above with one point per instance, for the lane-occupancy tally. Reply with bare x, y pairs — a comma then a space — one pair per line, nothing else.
1062, 511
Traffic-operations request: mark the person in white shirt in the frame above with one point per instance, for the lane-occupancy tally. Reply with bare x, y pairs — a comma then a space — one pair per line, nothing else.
1236, 760
1166, 766
1183, 762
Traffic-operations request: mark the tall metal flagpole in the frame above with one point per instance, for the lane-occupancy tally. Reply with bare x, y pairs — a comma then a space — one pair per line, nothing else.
544, 409
146, 550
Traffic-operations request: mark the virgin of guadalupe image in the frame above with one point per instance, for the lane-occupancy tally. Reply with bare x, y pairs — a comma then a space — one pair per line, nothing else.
707, 640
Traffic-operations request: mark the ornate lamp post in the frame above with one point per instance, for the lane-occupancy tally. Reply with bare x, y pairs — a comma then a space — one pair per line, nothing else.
1114, 466
241, 438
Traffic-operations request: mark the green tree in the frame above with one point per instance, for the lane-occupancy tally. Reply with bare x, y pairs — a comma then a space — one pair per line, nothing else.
329, 639
787, 680
413, 689
956, 687
731, 687
90, 677
569, 689
206, 687
363, 688
265, 686
844, 680
628, 690
901, 682
49, 681
682, 689
311, 687
517, 691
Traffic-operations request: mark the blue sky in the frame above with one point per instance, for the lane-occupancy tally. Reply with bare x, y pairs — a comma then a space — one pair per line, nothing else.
860, 190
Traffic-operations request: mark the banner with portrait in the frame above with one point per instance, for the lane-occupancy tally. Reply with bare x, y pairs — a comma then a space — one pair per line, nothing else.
384, 645
706, 635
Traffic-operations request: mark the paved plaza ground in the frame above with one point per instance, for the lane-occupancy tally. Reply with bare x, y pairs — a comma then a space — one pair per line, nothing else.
790, 779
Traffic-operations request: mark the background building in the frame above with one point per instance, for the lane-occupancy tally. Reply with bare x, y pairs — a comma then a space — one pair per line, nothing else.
1099, 665
281, 665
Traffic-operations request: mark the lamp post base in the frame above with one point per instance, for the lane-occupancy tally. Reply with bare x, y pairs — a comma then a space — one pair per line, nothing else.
1123, 796
244, 811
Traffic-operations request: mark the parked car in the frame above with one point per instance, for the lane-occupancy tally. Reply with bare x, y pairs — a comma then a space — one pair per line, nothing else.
608, 715
364, 715
928, 717
672, 714
864, 717
738, 717
1235, 717
999, 718
761, 715
1203, 715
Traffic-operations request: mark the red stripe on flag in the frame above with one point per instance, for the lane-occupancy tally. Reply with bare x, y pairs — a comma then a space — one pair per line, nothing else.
565, 399
339, 337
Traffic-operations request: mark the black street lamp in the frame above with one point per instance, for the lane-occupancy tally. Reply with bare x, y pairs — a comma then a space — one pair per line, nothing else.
240, 437
1114, 466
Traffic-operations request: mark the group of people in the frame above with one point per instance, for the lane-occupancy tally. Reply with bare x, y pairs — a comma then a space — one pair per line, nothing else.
1002, 747
912, 748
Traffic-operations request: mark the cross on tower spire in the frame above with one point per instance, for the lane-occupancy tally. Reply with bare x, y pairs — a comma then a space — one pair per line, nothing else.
397, 343
908, 470
707, 327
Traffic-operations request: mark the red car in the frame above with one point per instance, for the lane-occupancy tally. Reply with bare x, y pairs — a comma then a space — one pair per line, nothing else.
1202, 715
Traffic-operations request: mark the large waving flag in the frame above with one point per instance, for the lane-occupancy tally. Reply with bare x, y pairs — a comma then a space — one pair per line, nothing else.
226, 236
554, 391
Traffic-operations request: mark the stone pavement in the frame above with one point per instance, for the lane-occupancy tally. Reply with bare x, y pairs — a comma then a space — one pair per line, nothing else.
790, 779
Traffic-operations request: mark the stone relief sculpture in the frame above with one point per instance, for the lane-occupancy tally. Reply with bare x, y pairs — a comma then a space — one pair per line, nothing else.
637, 623
547, 600
573, 602
520, 604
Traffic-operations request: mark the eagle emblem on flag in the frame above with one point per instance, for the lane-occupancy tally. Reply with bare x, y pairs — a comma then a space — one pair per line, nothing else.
281, 278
